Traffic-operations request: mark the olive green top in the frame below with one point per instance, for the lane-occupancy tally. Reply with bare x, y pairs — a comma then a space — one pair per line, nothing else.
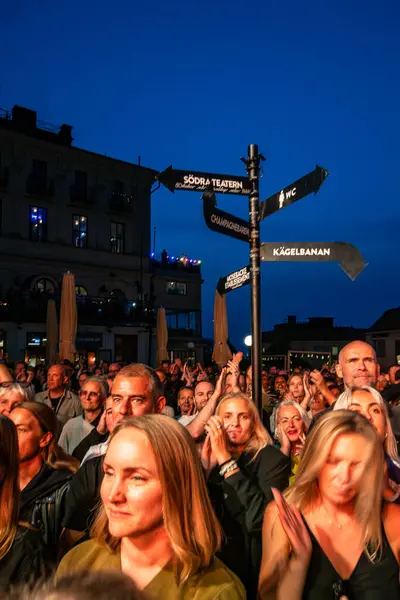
216, 582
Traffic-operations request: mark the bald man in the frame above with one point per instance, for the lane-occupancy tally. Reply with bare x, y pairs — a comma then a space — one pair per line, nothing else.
357, 365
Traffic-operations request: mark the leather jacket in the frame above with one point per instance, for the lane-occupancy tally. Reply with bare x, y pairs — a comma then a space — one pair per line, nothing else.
43, 504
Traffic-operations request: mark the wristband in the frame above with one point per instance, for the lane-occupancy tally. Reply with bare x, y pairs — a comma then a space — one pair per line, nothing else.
229, 466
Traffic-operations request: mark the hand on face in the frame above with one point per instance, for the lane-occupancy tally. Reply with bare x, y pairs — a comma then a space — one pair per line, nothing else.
218, 439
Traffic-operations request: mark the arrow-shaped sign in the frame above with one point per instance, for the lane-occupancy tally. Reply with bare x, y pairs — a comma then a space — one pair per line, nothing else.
295, 191
234, 280
347, 255
194, 181
223, 222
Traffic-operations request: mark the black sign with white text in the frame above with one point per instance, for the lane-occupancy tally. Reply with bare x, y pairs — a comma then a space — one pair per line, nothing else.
299, 189
349, 257
234, 280
223, 222
194, 181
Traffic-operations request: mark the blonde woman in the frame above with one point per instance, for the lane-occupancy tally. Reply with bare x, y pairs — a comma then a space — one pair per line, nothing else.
328, 537
243, 466
156, 523
368, 402
291, 425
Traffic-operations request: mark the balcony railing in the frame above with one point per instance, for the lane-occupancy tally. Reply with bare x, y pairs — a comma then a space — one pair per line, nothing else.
120, 202
175, 263
32, 307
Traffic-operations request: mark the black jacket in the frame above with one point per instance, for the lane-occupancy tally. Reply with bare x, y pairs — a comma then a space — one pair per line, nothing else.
240, 502
26, 561
84, 495
92, 439
43, 504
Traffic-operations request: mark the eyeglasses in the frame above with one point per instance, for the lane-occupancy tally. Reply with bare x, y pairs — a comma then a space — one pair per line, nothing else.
85, 393
7, 384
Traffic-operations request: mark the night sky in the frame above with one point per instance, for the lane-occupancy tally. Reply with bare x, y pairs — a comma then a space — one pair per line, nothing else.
193, 83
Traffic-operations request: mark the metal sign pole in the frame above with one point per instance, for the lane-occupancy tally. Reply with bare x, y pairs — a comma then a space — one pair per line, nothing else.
253, 170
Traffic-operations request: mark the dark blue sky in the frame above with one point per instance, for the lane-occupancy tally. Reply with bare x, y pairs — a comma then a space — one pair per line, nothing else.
193, 83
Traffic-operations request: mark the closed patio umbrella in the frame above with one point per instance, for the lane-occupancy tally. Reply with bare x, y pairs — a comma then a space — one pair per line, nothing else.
221, 353
52, 333
68, 318
162, 336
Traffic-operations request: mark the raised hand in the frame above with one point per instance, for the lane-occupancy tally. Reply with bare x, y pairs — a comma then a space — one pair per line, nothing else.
284, 441
295, 529
218, 439
207, 456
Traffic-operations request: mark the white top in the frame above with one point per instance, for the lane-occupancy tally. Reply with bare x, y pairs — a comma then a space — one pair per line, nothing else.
186, 419
73, 433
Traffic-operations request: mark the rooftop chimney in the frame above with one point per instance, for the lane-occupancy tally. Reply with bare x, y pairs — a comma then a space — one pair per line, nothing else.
65, 134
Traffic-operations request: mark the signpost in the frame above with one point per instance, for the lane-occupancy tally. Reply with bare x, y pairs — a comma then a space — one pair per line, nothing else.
195, 181
295, 191
234, 280
210, 184
347, 255
223, 222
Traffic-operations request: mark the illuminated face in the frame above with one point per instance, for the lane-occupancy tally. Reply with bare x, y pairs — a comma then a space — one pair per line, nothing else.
291, 422
131, 490
31, 438
340, 478
357, 365
9, 401
237, 421
55, 377
280, 385
364, 403
185, 401
203, 392
90, 396
131, 398
296, 387
317, 403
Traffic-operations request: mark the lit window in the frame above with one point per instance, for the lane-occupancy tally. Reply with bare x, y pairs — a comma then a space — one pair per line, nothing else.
80, 290
117, 237
175, 288
38, 224
79, 231
44, 286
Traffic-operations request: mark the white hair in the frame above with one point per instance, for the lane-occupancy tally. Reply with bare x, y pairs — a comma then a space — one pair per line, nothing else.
304, 416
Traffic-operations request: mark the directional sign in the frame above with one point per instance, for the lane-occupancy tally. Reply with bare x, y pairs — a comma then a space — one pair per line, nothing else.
299, 189
194, 181
348, 255
235, 280
223, 222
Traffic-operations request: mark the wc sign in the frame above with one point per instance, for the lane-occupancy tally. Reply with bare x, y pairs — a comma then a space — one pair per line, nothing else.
286, 195
309, 184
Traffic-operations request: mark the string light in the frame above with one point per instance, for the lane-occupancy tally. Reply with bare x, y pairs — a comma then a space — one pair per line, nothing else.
180, 259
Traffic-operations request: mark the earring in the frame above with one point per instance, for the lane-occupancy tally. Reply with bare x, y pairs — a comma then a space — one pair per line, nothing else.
386, 435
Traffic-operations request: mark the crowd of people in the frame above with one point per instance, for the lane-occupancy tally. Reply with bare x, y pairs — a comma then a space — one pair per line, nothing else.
121, 481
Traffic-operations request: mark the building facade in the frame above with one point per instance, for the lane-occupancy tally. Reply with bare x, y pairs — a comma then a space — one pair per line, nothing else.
315, 342
384, 336
63, 209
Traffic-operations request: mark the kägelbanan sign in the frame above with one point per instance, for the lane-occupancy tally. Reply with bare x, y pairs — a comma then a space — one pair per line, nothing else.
349, 257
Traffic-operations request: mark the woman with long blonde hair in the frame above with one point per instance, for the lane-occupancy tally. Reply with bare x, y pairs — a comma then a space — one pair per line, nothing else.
156, 522
328, 536
21, 548
243, 467
367, 401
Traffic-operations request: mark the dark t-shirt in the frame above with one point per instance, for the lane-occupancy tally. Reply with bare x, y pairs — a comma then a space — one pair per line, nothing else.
84, 495
55, 401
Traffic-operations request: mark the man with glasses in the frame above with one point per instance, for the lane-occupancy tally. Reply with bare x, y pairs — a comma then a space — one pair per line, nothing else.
63, 401
92, 394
